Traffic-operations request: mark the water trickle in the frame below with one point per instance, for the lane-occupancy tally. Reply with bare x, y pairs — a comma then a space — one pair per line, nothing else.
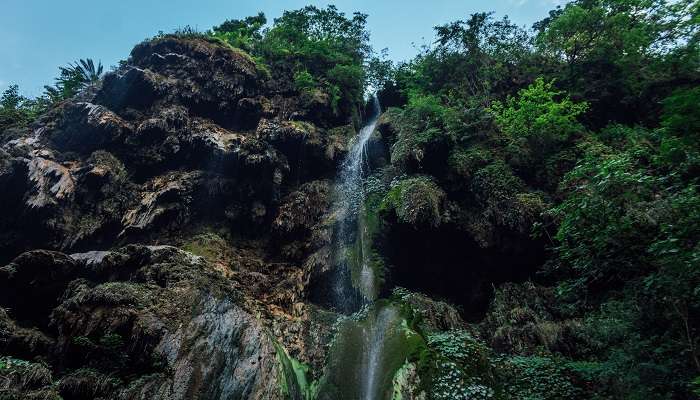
368, 350
349, 199
372, 344
376, 334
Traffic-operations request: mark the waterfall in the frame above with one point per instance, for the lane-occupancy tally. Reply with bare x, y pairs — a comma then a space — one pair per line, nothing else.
375, 337
370, 346
349, 198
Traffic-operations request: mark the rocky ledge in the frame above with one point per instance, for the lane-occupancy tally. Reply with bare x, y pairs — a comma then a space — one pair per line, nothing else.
188, 143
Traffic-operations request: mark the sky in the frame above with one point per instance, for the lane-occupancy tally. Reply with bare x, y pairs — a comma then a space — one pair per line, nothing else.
38, 36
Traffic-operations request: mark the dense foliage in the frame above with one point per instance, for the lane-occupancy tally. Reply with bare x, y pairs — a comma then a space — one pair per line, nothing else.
582, 133
320, 50
585, 132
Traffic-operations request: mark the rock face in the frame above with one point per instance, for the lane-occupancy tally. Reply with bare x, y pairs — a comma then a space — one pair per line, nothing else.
152, 311
165, 233
187, 144
185, 131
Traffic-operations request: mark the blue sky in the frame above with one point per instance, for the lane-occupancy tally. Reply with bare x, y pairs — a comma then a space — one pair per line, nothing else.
36, 36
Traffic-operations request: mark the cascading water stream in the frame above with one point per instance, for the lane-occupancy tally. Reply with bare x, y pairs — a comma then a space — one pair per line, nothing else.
369, 348
375, 337
349, 194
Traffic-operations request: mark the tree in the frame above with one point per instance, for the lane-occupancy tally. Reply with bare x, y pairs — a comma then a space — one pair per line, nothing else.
539, 120
621, 56
477, 57
325, 44
72, 78
241, 33
17, 110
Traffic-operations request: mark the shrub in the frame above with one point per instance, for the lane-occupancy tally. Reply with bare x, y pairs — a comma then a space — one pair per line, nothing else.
540, 117
324, 45
17, 110
416, 201
681, 112
503, 198
466, 162
460, 367
536, 378
243, 34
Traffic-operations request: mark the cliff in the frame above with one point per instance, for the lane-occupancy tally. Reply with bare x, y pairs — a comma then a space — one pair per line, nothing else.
189, 145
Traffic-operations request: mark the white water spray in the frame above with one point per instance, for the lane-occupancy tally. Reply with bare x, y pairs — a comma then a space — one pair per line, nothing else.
354, 274
350, 197
375, 338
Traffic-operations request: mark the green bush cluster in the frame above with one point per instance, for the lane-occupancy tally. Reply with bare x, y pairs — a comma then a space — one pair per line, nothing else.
538, 114
583, 132
415, 200
537, 378
320, 50
464, 163
18, 111
20, 379
459, 367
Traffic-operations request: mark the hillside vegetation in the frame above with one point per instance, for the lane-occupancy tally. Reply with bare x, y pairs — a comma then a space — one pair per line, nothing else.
532, 208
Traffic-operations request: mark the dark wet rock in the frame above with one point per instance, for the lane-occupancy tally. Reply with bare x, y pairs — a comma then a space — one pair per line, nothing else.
154, 311
222, 353
378, 150
302, 209
183, 125
314, 106
51, 183
434, 315
299, 224
312, 152
87, 127
207, 78
132, 87
166, 200
32, 284
26, 380
20, 342
87, 384
187, 143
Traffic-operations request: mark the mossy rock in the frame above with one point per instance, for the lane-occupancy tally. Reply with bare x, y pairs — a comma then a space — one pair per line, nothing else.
416, 201
367, 352
209, 245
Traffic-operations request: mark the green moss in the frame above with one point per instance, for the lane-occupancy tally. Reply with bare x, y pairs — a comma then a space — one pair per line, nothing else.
306, 127
117, 294
363, 252
210, 246
402, 381
458, 366
11, 362
502, 200
347, 369
20, 379
416, 201
112, 341
375, 192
